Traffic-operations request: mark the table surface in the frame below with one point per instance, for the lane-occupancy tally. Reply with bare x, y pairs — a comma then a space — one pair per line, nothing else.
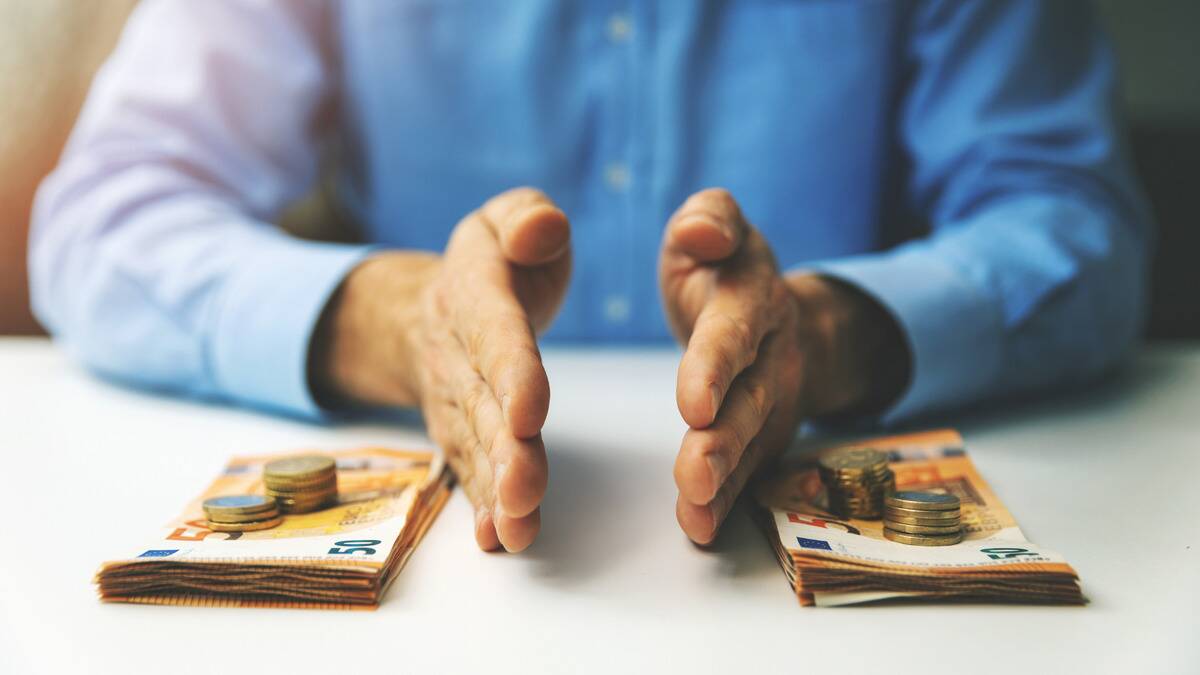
1106, 477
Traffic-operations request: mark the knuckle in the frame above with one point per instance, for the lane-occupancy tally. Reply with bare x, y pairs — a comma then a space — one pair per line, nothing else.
758, 398
475, 339
739, 341
743, 335
473, 399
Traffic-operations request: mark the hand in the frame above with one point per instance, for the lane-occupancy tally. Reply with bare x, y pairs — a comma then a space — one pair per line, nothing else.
763, 352
455, 335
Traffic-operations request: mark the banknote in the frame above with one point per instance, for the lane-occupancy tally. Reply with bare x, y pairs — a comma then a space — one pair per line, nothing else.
832, 560
340, 557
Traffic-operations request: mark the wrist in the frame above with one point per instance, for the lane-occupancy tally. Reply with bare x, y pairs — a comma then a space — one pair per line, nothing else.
858, 361
364, 349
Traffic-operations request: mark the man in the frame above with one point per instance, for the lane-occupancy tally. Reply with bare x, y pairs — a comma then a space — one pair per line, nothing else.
980, 134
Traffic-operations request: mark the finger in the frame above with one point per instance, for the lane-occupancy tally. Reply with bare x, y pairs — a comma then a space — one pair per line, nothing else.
522, 473
486, 536
702, 522
451, 431
519, 467
518, 533
494, 330
530, 228
725, 340
707, 228
499, 344
707, 457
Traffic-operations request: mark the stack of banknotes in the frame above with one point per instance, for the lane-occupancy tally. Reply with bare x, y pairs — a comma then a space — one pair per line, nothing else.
343, 556
830, 560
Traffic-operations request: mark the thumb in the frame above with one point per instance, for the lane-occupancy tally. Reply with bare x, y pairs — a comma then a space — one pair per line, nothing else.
707, 228
531, 230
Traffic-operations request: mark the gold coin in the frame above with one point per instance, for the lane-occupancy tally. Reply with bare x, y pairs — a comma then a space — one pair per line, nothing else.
922, 529
299, 467
283, 493
924, 501
921, 539
870, 478
306, 506
285, 497
922, 522
245, 527
927, 515
300, 510
231, 519
852, 460
305, 502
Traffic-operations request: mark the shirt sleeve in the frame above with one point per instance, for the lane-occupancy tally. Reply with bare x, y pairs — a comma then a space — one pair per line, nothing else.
1034, 272
152, 254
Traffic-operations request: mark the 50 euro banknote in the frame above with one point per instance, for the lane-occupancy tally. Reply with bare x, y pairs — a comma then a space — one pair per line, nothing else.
341, 557
832, 561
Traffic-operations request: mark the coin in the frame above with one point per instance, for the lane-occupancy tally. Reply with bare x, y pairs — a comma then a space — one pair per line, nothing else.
854, 460
299, 467
921, 539
287, 489
302, 494
305, 505
303, 500
923, 501
238, 505
926, 515
928, 522
921, 529
242, 517
245, 527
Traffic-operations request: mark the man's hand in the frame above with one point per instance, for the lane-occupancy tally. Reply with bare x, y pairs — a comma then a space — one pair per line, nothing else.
455, 335
763, 352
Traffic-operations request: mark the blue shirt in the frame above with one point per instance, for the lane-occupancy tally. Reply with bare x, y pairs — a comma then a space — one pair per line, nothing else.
959, 161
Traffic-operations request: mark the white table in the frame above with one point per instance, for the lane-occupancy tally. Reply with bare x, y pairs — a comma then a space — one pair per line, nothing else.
89, 471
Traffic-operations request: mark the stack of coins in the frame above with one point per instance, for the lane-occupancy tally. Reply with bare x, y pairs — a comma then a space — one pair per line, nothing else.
923, 518
856, 480
241, 513
301, 484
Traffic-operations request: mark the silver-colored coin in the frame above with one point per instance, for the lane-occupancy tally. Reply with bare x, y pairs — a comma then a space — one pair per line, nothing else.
238, 505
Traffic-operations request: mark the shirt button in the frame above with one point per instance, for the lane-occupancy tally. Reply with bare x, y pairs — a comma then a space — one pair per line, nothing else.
617, 177
619, 28
616, 309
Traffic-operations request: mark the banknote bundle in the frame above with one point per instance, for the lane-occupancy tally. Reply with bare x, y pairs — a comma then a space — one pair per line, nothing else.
832, 560
343, 556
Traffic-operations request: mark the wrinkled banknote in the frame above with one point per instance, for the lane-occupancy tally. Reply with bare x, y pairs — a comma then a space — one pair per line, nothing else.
340, 557
832, 561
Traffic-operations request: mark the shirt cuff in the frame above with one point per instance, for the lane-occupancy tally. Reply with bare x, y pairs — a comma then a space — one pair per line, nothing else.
265, 324
954, 333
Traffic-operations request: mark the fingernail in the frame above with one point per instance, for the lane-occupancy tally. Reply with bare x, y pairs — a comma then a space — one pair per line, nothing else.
719, 467
726, 228
715, 392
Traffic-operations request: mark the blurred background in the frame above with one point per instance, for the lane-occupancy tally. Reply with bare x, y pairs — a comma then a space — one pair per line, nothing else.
50, 49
